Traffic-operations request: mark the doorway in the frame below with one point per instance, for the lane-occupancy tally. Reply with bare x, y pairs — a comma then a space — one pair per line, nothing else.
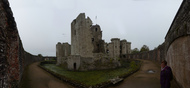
75, 66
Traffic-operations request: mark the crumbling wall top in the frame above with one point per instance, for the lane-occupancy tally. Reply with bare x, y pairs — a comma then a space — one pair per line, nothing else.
59, 43
124, 40
115, 39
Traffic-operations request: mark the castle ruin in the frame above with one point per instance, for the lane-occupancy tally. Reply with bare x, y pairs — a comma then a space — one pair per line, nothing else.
175, 49
87, 50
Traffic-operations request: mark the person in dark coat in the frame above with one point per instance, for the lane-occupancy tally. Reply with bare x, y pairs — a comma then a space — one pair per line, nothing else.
165, 75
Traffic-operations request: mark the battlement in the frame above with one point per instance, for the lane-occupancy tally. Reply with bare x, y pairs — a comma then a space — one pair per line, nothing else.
113, 39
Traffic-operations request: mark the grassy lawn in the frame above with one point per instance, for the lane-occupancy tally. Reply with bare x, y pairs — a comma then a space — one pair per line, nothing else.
91, 78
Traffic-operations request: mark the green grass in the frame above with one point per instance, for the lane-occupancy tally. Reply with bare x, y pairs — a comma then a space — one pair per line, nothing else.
91, 78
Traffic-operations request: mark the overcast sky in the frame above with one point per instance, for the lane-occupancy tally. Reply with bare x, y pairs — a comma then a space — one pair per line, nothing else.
43, 23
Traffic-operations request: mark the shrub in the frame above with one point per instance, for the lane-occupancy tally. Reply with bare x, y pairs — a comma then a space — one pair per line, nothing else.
133, 65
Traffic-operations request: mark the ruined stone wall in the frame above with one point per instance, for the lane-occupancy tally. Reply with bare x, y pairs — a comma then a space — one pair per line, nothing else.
67, 49
96, 32
81, 36
99, 62
62, 51
106, 48
97, 39
74, 62
110, 49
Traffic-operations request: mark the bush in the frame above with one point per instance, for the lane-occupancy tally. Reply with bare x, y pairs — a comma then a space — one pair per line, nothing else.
133, 65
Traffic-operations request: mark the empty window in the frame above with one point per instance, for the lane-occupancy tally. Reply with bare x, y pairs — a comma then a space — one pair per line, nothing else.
96, 29
107, 51
74, 32
75, 66
92, 39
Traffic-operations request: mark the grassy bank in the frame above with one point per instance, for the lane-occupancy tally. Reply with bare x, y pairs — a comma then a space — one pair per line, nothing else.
91, 78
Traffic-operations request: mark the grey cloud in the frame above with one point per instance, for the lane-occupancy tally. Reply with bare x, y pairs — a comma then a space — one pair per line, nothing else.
41, 23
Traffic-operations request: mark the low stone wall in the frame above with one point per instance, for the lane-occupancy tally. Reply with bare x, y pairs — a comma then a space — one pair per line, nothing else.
98, 64
156, 55
76, 62
29, 58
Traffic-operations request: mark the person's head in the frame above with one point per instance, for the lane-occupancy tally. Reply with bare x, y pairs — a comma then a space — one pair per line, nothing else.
163, 64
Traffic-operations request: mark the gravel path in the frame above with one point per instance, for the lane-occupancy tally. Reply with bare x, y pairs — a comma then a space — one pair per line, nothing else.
143, 79
38, 78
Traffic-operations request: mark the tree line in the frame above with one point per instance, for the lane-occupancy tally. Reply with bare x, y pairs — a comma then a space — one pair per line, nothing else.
143, 49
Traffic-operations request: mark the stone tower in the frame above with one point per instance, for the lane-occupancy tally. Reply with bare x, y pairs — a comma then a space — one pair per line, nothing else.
62, 51
128, 47
114, 47
97, 39
59, 53
124, 47
81, 36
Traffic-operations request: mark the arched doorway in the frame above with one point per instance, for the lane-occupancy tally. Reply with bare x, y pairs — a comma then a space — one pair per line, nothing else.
75, 66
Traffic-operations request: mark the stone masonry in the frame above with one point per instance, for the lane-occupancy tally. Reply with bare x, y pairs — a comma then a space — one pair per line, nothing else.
13, 58
114, 47
62, 51
125, 48
81, 37
87, 47
9, 48
177, 43
97, 41
117, 48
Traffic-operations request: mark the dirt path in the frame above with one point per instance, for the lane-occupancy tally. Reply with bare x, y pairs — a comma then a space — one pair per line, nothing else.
39, 78
143, 79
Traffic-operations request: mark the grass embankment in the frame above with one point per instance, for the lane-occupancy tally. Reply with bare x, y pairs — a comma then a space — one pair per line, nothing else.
91, 78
